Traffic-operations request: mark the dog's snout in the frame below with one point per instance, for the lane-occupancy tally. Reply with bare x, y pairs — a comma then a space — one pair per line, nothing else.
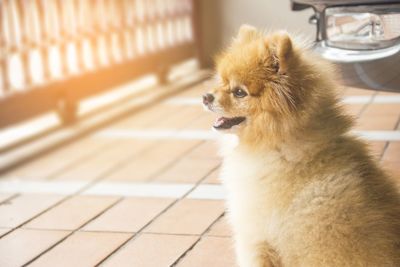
208, 99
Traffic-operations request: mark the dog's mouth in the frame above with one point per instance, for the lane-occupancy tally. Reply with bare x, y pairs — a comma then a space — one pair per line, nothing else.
223, 123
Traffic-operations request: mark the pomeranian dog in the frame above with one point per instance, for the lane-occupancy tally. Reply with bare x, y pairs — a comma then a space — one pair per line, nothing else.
302, 191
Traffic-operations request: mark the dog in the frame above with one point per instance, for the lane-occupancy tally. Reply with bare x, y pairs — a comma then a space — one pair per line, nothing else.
302, 191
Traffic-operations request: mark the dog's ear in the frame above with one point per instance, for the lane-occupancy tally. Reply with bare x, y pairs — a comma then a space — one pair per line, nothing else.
246, 33
283, 50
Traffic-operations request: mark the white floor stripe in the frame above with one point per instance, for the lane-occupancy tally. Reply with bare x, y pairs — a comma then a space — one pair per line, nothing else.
158, 134
211, 135
139, 189
379, 135
394, 99
125, 189
357, 99
41, 187
208, 191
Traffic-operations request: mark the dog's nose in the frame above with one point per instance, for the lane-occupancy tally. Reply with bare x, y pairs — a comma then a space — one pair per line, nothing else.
207, 99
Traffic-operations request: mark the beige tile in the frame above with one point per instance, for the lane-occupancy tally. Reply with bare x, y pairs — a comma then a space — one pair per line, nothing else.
82, 249
387, 94
211, 251
61, 158
23, 245
382, 110
4, 197
72, 213
129, 215
357, 91
150, 250
221, 228
199, 90
204, 122
149, 164
188, 170
353, 109
141, 168
3, 231
392, 152
376, 122
146, 117
24, 207
188, 216
100, 164
206, 150
185, 115
213, 177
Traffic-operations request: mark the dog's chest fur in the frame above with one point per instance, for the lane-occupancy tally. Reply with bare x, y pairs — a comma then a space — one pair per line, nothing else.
259, 190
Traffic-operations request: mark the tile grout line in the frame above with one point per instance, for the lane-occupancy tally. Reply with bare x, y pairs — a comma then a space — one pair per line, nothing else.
365, 106
183, 255
140, 231
67, 197
71, 232
100, 177
172, 163
87, 157
13, 195
387, 143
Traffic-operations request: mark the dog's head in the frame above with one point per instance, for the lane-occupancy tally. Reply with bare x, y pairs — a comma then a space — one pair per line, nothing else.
262, 82
271, 89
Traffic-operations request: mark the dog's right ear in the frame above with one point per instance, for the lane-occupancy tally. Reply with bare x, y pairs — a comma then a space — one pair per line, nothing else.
283, 49
246, 33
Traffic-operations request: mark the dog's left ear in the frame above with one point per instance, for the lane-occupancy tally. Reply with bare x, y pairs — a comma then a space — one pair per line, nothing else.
283, 50
246, 33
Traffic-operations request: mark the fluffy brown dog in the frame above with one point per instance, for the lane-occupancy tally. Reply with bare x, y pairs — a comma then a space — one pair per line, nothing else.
301, 190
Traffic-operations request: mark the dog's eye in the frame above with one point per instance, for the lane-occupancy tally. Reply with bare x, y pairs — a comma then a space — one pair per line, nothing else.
239, 92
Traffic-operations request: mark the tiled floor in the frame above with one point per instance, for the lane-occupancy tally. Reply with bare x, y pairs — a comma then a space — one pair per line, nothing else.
145, 190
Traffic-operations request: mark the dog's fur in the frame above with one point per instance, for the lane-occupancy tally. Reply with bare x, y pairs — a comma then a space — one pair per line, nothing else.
301, 191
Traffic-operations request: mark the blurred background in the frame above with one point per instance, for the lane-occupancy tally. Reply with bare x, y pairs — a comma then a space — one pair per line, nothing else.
106, 155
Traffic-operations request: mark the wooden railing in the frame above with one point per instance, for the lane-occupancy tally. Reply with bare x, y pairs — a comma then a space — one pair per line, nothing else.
56, 52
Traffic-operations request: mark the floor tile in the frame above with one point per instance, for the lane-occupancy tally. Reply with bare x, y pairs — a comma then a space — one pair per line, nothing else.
4, 197
129, 215
382, 110
184, 116
357, 91
50, 164
102, 163
81, 249
353, 109
146, 117
150, 250
188, 170
22, 245
392, 152
206, 150
188, 216
210, 251
220, 228
213, 177
24, 207
205, 121
153, 161
72, 213
3, 231
376, 122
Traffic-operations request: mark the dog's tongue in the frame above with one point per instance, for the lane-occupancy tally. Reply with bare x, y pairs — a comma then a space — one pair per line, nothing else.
227, 123
219, 121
